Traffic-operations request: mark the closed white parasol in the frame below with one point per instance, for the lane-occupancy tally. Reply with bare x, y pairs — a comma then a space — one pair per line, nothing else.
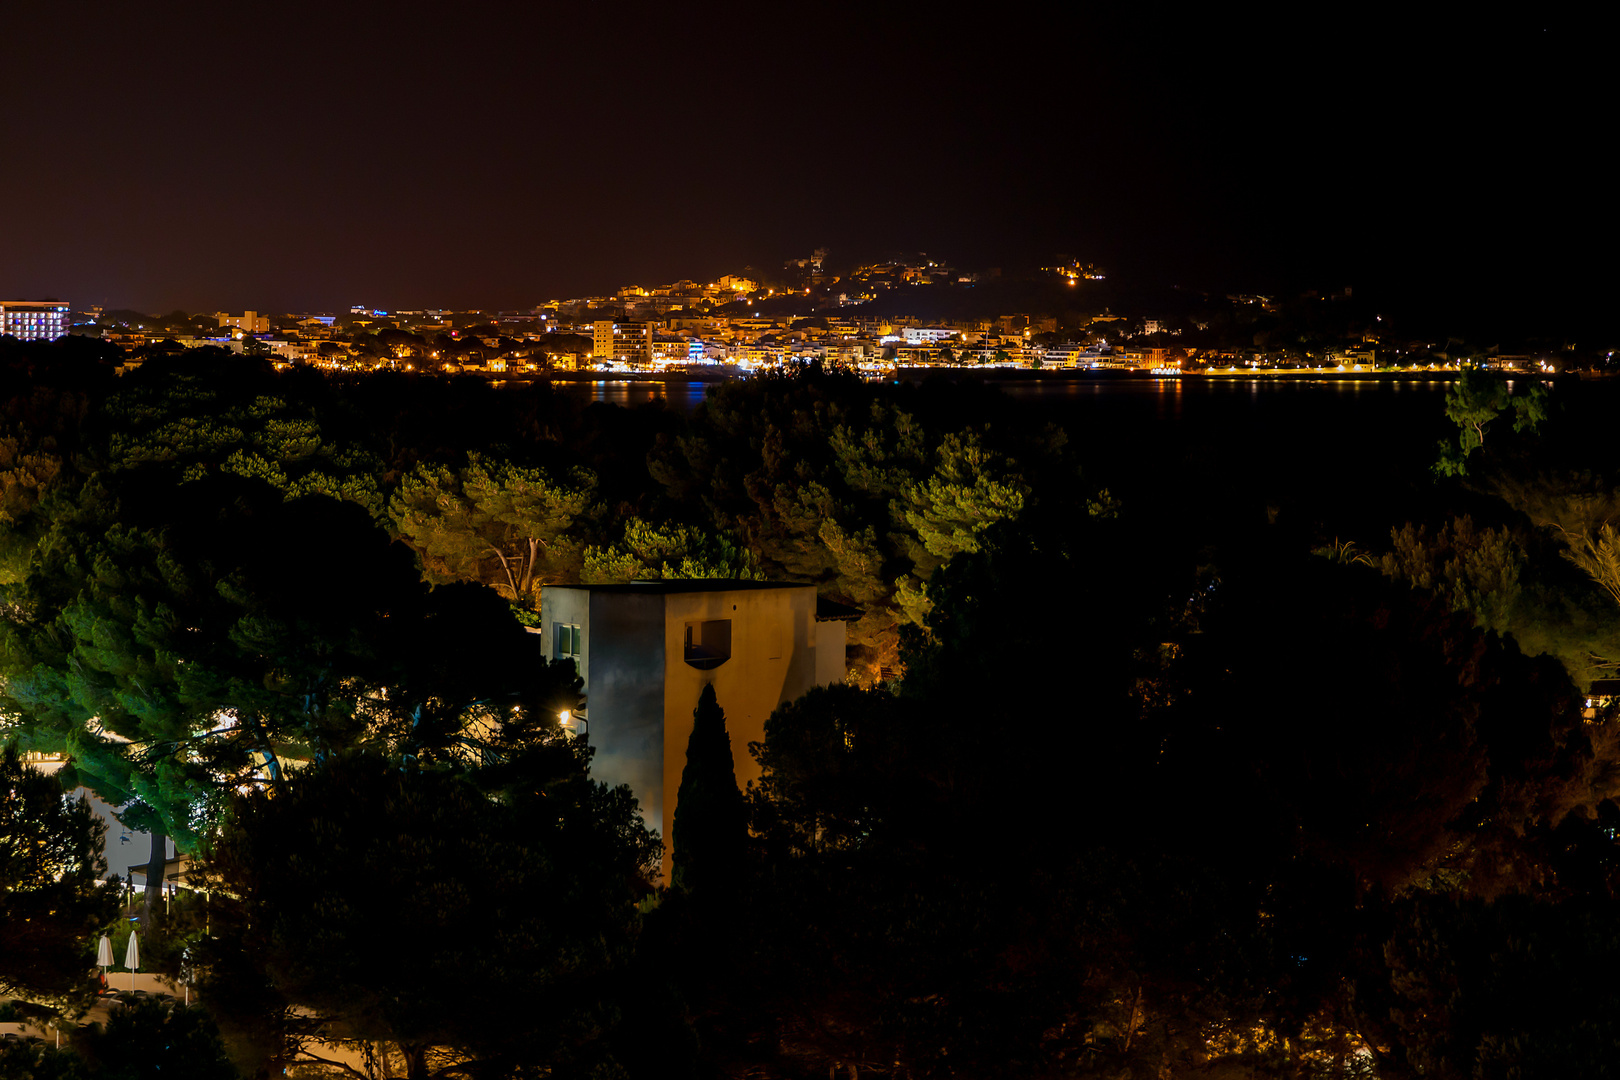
132, 958
104, 957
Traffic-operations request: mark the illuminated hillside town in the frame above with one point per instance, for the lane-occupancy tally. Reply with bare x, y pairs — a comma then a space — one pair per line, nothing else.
878, 319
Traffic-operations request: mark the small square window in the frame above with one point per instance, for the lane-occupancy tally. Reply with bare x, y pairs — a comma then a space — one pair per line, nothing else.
566, 640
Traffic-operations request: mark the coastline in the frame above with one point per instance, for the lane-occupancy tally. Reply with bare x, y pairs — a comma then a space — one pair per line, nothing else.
1016, 375
997, 374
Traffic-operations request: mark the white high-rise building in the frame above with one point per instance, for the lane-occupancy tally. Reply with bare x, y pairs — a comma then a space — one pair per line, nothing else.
34, 320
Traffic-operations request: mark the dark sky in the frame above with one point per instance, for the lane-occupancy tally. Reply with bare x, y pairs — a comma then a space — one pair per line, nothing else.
307, 156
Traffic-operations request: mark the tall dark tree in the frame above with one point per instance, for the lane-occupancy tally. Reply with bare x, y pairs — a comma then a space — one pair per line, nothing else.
52, 901
710, 834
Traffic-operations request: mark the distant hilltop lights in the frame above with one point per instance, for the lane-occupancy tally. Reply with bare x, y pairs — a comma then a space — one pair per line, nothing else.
34, 320
908, 311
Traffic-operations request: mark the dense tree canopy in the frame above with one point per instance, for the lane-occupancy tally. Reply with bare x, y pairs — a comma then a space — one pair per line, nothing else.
148, 1036
1191, 812
859, 490
181, 660
187, 626
1132, 787
410, 908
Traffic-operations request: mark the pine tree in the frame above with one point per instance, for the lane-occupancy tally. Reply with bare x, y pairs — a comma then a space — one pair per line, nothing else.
711, 822
492, 521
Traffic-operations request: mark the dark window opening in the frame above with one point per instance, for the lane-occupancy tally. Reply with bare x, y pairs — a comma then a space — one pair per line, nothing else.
708, 644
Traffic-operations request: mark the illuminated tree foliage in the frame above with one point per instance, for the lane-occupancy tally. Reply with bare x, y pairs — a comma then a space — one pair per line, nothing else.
201, 415
648, 552
1509, 581
176, 660
42, 430
970, 490
1474, 402
497, 522
1476, 570
1581, 509
28, 469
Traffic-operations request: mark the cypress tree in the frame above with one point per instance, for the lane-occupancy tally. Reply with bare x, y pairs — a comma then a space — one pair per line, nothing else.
710, 832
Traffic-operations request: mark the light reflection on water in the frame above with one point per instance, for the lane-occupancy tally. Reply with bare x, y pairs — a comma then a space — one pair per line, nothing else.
1168, 392
1044, 388
1170, 395
630, 393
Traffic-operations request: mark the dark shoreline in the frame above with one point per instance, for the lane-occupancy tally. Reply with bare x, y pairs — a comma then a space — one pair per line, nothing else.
997, 375
1015, 375
1113, 375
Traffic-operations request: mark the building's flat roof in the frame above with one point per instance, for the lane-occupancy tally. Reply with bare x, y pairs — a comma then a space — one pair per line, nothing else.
688, 585
832, 611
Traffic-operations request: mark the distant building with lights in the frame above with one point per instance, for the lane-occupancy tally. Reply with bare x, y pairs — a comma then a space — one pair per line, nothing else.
250, 322
646, 650
629, 342
735, 283
926, 335
1355, 356
670, 349
35, 320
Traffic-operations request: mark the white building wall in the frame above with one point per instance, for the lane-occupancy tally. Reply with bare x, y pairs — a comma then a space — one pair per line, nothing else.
642, 691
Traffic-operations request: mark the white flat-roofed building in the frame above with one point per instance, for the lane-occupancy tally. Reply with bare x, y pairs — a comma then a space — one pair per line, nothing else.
671, 350
646, 650
926, 335
35, 320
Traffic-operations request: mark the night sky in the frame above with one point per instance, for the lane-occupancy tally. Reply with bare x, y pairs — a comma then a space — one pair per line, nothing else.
303, 156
